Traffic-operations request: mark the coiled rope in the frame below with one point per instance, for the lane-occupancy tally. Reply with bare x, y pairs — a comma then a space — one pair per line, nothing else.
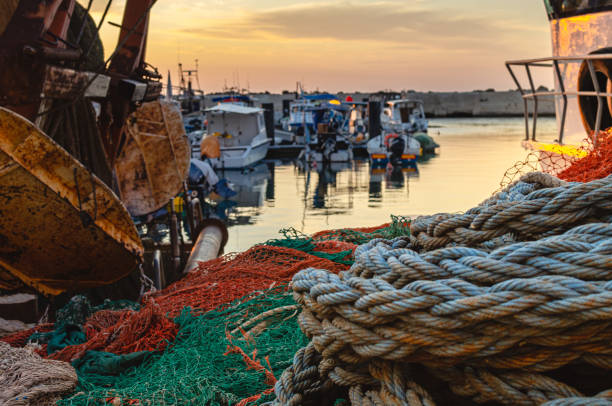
489, 301
536, 206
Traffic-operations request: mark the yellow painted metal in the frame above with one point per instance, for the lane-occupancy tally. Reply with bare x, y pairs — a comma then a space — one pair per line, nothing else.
154, 162
61, 228
572, 151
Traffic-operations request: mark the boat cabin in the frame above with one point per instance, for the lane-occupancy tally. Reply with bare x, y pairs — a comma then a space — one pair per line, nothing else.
234, 124
404, 115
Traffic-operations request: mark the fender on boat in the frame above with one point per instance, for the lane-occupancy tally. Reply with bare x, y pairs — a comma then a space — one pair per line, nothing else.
61, 228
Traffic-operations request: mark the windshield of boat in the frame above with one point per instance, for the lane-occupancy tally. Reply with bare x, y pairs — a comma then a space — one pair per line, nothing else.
568, 8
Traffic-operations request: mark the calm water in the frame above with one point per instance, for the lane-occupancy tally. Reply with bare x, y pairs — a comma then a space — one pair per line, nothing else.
474, 154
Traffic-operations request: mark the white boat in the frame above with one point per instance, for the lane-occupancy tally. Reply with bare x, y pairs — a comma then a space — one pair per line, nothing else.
241, 132
403, 116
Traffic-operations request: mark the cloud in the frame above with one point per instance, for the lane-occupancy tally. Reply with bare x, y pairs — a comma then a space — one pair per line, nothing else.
389, 21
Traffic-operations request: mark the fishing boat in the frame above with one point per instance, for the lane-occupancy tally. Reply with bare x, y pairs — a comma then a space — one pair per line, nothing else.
190, 99
581, 65
86, 146
392, 142
404, 116
241, 132
316, 130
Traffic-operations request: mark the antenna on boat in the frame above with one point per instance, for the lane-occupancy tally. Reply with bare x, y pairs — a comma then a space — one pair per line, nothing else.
180, 66
197, 75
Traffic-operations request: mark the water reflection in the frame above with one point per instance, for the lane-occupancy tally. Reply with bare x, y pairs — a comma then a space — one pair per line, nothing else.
322, 190
474, 155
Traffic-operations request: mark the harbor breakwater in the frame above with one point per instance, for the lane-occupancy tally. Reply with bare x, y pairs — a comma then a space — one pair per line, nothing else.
438, 104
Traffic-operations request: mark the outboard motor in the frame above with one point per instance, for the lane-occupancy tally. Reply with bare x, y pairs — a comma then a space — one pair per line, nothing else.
396, 147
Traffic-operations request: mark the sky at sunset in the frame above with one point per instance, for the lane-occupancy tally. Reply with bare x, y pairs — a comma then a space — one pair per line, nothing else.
340, 45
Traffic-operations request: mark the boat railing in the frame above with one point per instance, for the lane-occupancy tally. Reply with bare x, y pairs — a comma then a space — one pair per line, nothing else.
531, 93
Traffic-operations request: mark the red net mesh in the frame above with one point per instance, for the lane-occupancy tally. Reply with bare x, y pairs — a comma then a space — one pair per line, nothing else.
334, 246
123, 332
20, 339
233, 276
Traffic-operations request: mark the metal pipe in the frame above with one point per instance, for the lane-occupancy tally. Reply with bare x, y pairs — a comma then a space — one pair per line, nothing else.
158, 270
564, 112
174, 239
209, 245
535, 102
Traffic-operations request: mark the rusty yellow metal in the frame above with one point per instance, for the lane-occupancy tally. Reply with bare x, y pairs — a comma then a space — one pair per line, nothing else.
154, 162
61, 228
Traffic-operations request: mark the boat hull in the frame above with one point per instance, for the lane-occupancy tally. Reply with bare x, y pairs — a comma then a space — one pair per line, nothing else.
380, 155
242, 156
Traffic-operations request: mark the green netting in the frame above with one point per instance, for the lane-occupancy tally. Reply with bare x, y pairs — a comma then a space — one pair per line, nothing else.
302, 242
204, 366
399, 226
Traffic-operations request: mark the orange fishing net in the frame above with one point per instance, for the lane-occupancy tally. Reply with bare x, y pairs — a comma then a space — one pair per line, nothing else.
232, 276
596, 165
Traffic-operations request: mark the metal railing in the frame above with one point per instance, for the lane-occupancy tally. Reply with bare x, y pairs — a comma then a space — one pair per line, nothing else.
532, 94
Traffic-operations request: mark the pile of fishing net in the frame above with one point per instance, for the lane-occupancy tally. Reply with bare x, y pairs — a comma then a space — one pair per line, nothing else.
508, 303
220, 357
232, 276
219, 336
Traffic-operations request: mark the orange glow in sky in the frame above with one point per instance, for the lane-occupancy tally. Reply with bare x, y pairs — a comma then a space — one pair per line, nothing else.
334, 45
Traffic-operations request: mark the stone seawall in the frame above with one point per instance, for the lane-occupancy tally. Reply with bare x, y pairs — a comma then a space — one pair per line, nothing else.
444, 104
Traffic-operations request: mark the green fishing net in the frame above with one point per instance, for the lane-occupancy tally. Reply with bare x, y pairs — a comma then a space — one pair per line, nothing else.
204, 365
398, 227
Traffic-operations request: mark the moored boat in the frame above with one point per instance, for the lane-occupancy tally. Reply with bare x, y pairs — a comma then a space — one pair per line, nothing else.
241, 132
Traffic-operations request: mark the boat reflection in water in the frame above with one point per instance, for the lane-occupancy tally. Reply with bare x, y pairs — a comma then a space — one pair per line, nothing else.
276, 194
394, 177
253, 186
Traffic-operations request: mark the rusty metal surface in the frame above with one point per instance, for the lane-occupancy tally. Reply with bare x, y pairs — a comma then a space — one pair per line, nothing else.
130, 56
7, 8
8, 281
61, 228
154, 161
63, 83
